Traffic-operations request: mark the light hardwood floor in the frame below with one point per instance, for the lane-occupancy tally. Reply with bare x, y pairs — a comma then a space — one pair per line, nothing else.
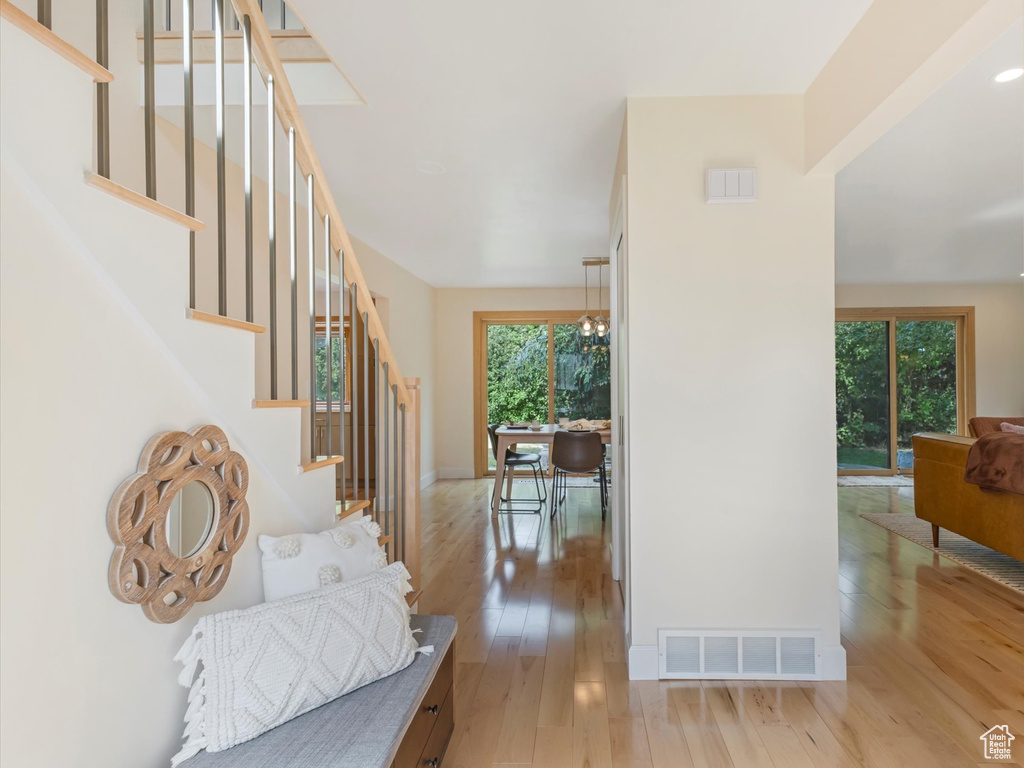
935, 653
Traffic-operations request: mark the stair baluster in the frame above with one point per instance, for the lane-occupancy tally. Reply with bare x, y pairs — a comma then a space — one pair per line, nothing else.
247, 161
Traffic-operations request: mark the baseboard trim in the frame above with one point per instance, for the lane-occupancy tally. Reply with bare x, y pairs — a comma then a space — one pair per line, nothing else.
428, 480
455, 473
833, 662
643, 662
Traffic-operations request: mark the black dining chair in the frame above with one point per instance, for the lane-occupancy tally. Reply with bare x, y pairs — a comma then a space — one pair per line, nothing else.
577, 453
513, 460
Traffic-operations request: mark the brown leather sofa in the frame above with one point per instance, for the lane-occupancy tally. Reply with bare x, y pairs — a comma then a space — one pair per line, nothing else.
946, 500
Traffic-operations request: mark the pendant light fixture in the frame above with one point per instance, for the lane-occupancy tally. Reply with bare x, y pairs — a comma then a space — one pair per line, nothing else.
600, 322
586, 322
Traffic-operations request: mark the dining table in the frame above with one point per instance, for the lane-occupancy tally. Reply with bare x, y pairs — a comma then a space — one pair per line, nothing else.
510, 437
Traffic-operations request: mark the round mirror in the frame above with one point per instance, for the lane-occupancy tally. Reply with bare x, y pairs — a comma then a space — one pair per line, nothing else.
189, 519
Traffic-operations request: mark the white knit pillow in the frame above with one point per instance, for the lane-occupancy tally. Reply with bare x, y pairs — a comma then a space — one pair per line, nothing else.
301, 562
263, 666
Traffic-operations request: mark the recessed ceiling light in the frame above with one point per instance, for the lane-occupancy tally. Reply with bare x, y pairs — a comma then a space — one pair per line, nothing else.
1008, 75
429, 167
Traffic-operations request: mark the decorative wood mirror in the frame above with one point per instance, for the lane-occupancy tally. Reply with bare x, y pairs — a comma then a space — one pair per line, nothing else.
177, 522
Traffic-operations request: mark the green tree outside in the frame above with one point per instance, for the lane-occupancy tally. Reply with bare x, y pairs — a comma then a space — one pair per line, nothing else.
926, 396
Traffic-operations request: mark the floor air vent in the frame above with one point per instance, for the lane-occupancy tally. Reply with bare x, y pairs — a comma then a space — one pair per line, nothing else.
753, 655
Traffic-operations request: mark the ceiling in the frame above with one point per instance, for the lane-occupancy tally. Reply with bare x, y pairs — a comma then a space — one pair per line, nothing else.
523, 106
940, 197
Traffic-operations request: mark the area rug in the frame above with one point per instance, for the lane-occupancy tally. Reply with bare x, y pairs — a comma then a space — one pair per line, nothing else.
844, 481
967, 553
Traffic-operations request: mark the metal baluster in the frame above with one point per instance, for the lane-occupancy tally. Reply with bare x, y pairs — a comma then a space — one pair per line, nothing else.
328, 336
222, 177
167, 15
394, 497
401, 517
376, 428
366, 402
341, 367
149, 97
355, 393
387, 445
294, 248
102, 93
187, 25
284, 16
44, 13
247, 161
311, 222
272, 230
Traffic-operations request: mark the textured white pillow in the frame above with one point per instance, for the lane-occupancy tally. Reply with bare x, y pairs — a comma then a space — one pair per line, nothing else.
260, 667
302, 562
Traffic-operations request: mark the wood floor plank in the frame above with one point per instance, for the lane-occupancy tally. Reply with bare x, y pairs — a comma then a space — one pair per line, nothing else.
556, 703
519, 723
553, 747
664, 732
703, 737
591, 736
629, 745
475, 743
738, 731
784, 746
932, 652
623, 694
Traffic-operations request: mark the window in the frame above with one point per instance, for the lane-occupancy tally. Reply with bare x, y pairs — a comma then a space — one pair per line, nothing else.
898, 372
535, 365
321, 362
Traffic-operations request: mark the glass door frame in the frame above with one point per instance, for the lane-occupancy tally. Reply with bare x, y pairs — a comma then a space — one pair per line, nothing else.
966, 391
550, 318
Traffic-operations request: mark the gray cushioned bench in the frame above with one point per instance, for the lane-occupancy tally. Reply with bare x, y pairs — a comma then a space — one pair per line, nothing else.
362, 729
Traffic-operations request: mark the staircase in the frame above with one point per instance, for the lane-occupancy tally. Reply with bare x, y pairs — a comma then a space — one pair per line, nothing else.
244, 272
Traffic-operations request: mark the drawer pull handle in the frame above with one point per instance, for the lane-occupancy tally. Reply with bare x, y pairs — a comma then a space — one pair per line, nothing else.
432, 710
432, 762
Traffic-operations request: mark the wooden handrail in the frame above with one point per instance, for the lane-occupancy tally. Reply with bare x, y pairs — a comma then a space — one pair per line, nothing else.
269, 63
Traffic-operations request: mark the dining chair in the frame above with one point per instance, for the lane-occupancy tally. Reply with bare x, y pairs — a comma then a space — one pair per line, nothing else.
577, 453
513, 460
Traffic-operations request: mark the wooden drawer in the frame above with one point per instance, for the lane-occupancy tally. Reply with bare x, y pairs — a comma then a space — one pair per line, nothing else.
428, 715
433, 752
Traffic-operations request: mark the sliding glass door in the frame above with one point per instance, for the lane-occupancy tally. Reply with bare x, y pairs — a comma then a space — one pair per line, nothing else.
898, 372
863, 421
926, 383
535, 365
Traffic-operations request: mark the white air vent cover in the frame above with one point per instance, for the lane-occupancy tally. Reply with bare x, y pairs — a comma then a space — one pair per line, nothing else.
739, 654
731, 185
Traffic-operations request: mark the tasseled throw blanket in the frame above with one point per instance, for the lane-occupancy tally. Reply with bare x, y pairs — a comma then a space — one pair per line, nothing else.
996, 462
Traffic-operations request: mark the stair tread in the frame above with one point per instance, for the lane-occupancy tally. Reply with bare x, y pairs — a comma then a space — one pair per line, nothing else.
229, 322
280, 403
351, 507
139, 200
54, 42
322, 461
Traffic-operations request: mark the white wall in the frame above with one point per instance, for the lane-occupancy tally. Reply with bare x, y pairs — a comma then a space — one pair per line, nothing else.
999, 331
453, 360
409, 316
87, 680
97, 357
732, 397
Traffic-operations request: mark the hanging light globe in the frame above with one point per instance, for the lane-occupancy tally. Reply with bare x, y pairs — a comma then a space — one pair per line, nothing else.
587, 325
601, 326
